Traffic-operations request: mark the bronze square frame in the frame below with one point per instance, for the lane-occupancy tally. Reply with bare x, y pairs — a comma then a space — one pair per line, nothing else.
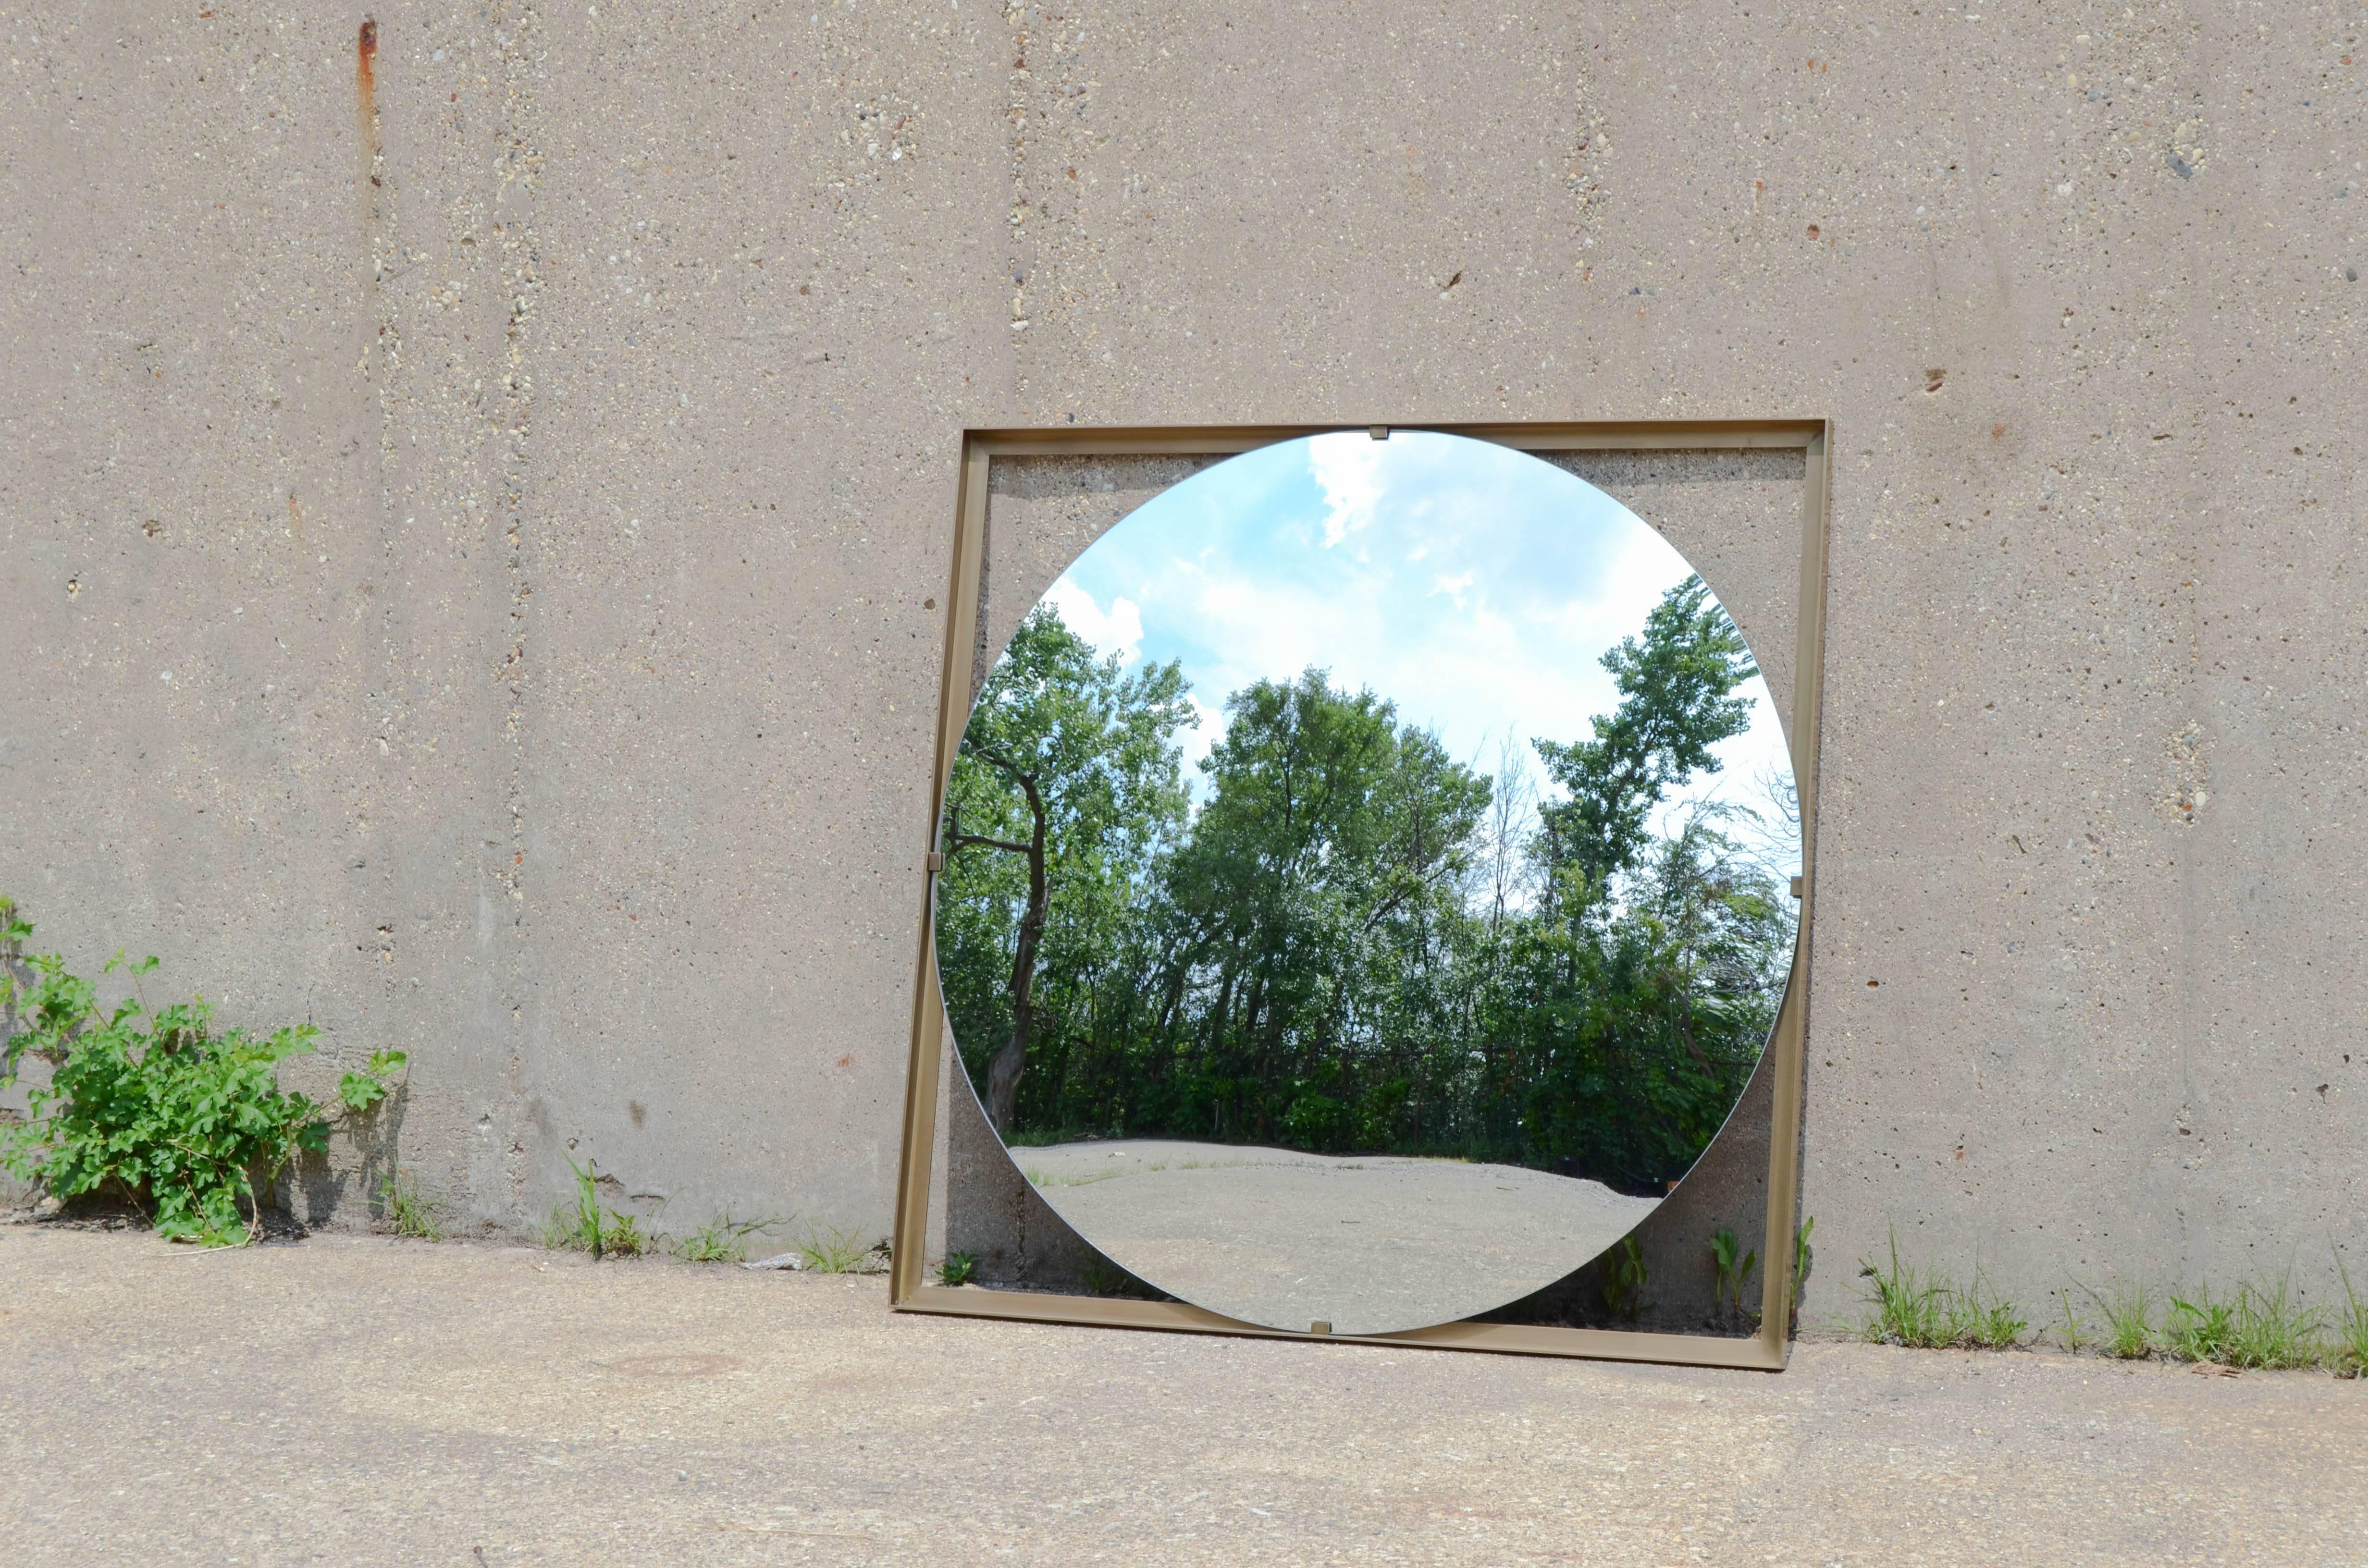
1766, 1351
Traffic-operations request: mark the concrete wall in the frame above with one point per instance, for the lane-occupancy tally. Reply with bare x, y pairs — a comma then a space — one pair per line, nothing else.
465, 532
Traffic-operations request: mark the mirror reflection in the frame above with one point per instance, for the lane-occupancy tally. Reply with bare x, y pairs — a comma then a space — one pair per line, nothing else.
1365, 881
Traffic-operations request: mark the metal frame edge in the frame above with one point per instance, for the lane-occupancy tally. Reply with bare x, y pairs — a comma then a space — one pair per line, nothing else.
1770, 1350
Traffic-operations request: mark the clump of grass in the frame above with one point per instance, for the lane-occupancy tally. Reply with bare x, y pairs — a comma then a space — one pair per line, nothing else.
2275, 1331
2200, 1330
2347, 1353
2129, 1321
2259, 1327
1991, 1322
959, 1269
406, 1212
581, 1227
1927, 1310
623, 1237
724, 1240
828, 1250
1911, 1308
576, 1227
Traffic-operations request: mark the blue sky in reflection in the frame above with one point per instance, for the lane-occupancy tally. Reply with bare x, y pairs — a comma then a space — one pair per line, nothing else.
1475, 587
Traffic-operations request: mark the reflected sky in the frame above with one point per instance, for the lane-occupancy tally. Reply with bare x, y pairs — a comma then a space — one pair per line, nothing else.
1475, 586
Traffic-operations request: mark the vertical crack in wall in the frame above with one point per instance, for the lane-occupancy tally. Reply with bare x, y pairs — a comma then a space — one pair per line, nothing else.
1590, 155
375, 362
1023, 208
517, 172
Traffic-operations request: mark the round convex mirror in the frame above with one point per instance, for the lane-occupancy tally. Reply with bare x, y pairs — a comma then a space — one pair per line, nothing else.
1365, 886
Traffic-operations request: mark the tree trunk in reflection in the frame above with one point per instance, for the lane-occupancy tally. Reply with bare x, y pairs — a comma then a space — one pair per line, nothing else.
1353, 943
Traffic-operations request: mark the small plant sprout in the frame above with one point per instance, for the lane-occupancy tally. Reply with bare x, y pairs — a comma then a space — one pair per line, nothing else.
580, 1226
1730, 1271
406, 1212
2075, 1327
624, 1237
1624, 1290
959, 1269
721, 1241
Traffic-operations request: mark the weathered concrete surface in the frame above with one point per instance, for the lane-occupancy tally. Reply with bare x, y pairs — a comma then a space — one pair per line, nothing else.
549, 635
359, 1401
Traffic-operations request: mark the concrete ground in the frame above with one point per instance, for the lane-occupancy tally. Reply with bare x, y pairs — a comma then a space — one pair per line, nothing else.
1371, 1244
356, 1400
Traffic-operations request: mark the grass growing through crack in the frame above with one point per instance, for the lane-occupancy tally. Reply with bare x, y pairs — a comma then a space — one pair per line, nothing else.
581, 1227
828, 1250
2129, 1321
2347, 1353
2274, 1331
2200, 1330
406, 1210
1924, 1310
959, 1269
2077, 1328
2257, 1327
724, 1240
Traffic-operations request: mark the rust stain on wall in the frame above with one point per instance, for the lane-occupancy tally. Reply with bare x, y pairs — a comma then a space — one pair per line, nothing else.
365, 68
366, 96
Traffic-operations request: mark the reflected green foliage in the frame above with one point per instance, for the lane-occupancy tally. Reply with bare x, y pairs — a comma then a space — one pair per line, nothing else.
1623, 1287
1731, 1266
1357, 943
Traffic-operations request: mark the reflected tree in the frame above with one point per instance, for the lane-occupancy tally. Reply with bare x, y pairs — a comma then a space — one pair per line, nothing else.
1356, 942
1067, 777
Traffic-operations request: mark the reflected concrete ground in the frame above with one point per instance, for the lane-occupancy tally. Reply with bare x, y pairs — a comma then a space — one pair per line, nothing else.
1366, 1243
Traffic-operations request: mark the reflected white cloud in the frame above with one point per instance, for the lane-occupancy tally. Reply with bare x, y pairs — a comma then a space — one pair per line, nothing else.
1118, 629
1347, 467
1482, 590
